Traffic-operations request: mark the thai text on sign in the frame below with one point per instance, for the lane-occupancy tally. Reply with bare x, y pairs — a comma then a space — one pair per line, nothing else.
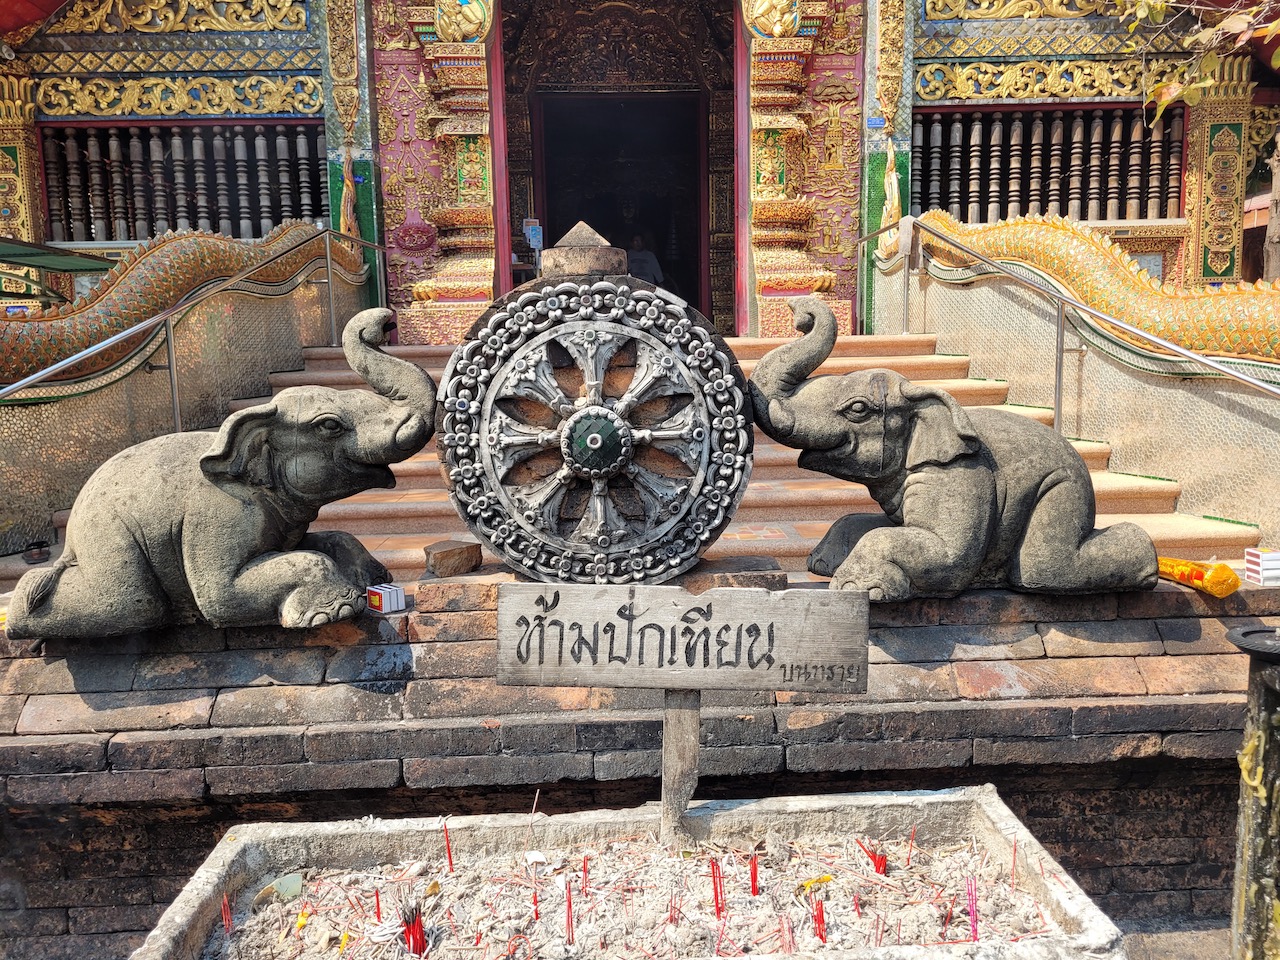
731, 638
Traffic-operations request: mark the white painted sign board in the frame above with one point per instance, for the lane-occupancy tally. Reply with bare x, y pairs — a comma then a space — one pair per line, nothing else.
729, 638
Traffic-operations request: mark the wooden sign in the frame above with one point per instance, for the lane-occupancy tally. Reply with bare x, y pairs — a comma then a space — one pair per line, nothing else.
730, 638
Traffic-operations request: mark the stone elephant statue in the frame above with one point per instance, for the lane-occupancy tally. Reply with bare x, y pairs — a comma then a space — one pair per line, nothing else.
971, 498
212, 527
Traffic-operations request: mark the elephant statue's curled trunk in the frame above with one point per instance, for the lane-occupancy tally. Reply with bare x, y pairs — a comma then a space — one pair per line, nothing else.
781, 372
404, 383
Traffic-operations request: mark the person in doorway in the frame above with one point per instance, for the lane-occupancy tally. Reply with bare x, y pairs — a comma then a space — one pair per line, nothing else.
641, 262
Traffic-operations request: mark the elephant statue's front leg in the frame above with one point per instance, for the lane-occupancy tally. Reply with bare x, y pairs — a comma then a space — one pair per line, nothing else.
356, 562
840, 540
298, 588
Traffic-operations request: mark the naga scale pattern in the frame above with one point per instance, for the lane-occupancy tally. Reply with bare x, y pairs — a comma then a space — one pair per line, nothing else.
1239, 321
154, 277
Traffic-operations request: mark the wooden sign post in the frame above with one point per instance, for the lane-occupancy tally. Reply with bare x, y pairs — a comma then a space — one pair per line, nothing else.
730, 638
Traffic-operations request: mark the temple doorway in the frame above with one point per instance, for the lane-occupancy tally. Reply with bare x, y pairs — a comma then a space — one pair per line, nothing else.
621, 113
632, 167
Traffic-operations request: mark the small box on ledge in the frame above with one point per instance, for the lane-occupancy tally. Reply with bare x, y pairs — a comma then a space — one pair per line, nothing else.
386, 598
1262, 566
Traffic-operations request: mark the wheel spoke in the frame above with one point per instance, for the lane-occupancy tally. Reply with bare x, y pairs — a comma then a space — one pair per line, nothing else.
601, 517
657, 492
513, 442
591, 351
545, 497
681, 435
655, 376
533, 378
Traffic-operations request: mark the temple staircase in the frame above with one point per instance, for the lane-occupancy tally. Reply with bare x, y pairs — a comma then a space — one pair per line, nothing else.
786, 510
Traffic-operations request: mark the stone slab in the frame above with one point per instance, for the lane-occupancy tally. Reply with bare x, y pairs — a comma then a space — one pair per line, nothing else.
69, 753
132, 710
76, 673
330, 743
107, 787
892, 682
762, 573
878, 755
367, 664
1174, 600
215, 747
995, 641
817, 724
1101, 638
1098, 749
10, 711
1043, 679
470, 658
1008, 606
481, 696
1225, 673
433, 772
453, 627
475, 591
294, 706
1206, 712
303, 777
1214, 745
365, 629
939, 721
1192, 635
231, 668
450, 558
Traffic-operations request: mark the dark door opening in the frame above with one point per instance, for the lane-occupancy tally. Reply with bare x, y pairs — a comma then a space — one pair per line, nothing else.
630, 166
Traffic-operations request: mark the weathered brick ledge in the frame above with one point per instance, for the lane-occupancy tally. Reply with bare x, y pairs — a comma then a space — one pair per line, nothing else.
408, 700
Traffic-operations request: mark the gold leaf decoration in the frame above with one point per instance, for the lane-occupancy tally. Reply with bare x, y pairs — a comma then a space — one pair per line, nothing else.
180, 16
180, 96
1040, 79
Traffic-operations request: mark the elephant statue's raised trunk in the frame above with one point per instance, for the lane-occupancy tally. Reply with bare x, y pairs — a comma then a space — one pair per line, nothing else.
403, 383
781, 372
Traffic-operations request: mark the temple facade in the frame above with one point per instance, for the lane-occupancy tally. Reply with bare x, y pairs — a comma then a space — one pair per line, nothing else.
743, 145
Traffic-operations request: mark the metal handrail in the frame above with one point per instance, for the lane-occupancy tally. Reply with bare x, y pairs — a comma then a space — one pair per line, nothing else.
166, 317
1063, 301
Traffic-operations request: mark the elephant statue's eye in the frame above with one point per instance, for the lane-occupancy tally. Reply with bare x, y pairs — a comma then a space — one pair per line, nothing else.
331, 426
857, 409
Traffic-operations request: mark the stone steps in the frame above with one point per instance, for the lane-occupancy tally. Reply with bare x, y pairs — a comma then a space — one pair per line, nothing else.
921, 369
811, 497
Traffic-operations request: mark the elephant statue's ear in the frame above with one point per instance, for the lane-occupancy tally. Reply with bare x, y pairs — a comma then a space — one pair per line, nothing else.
240, 451
942, 430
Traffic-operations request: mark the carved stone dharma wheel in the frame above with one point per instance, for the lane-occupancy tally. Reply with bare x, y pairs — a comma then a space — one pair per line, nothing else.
595, 430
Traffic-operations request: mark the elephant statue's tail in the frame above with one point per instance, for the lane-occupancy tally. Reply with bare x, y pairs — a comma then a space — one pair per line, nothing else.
44, 581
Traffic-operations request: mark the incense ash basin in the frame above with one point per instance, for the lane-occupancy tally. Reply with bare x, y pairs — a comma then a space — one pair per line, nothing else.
251, 856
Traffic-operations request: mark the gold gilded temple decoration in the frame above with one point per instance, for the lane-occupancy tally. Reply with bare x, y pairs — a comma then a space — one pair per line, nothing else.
891, 37
17, 105
776, 19
182, 96
463, 21
1012, 9
1262, 130
1044, 79
180, 16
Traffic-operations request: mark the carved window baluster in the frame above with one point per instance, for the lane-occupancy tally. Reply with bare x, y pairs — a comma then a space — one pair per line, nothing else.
222, 189
138, 178
1094, 211
266, 216
159, 182
1155, 171
1076, 170
322, 158
1115, 151
1035, 188
181, 195
975, 169
53, 178
200, 166
99, 208
918, 160
1056, 149
995, 187
957, 157
1173, 180
1015, 166
1133, 196
306, 207
242, 182
75, 188
285, 184
116, 188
